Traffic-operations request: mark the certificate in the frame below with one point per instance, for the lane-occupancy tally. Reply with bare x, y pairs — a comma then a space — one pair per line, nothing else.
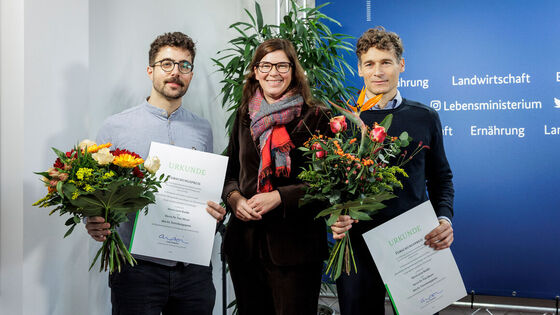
419, 279
178, 227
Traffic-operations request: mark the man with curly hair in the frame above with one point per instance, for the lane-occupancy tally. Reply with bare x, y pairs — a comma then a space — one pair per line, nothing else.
157, 286
380, 63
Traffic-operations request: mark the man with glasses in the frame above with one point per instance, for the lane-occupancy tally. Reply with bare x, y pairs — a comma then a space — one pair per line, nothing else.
155, 285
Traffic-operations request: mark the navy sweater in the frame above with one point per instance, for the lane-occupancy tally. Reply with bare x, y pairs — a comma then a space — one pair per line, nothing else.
428, 171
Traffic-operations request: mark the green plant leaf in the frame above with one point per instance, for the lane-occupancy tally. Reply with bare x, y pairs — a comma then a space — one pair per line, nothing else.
70, 230
387, 122
259, 16
334, 216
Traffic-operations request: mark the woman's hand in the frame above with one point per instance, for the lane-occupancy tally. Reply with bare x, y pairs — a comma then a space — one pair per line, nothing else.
264, 202
241, 209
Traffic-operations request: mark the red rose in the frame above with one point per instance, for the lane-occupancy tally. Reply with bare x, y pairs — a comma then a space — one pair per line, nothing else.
58, 163
378, 134
320, 152
137, 172
338, 124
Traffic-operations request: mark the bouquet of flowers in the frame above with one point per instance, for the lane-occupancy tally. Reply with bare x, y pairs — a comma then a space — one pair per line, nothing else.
354, 172
90, 180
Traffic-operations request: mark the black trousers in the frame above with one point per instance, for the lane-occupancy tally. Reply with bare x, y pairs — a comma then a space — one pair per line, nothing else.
151, 289
362, 293
264, 288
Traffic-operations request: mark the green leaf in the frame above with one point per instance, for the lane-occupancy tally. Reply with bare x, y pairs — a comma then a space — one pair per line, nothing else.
326, 212
404, 143
340, 257
387, 122
404, 136
59, 153
69, 222
69, 230
250, 15
334, 216
358, 215
259, 16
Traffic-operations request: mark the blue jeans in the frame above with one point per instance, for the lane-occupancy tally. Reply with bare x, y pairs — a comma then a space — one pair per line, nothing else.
152, 289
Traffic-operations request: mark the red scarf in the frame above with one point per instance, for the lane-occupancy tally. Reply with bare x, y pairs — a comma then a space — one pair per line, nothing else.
268, 125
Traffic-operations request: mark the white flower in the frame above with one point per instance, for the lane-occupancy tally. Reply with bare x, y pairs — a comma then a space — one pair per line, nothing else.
86, 143
152, 164
103, 156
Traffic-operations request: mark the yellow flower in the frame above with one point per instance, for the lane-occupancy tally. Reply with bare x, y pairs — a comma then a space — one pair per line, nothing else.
75, 194
88, 188
94, 148
84, 173
127, 160
108, 175
86, 143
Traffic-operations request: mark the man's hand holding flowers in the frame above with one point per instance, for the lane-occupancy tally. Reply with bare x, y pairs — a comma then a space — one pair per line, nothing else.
97, 228
341, 226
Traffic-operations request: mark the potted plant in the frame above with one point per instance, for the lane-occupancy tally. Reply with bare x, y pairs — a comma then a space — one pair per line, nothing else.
319, 51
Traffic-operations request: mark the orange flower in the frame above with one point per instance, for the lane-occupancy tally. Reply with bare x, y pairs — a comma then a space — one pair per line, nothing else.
361, 105
367, 162
94, 148
127, 161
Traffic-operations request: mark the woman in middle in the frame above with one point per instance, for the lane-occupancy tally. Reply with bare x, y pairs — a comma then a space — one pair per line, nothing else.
275, 249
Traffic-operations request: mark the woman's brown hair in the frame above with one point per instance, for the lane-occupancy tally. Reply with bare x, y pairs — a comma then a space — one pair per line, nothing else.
299, 82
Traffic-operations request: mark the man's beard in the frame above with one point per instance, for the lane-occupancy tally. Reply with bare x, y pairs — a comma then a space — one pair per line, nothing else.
176, 94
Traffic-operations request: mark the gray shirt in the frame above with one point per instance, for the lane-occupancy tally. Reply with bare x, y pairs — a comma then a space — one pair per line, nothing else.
135, 128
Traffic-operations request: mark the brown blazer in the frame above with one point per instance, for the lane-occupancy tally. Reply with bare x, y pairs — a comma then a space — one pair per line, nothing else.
289, 235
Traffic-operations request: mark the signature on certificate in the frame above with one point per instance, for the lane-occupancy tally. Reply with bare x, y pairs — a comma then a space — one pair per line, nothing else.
432, 296
173, 239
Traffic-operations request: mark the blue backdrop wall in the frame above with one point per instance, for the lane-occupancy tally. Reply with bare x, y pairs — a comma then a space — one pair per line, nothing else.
492, 71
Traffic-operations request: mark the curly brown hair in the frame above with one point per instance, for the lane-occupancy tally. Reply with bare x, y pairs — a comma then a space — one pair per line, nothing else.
175, 39
381, 39
299, 82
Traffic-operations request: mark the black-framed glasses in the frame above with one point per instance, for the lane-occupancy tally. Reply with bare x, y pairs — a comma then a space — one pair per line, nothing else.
168, 65
281, 67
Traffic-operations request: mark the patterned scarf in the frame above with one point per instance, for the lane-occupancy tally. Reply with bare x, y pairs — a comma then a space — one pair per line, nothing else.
267, 125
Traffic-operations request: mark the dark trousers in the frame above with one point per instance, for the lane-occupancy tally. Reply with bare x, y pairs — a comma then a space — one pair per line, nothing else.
262, 288
151, 289
362, 293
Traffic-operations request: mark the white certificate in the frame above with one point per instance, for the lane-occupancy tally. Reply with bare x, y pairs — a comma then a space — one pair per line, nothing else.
419, 279
178, 227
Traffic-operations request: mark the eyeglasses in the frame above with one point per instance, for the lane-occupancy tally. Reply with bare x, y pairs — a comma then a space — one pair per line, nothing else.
168, 65
281, 67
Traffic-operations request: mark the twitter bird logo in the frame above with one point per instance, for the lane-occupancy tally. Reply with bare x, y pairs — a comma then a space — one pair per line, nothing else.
557, 102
